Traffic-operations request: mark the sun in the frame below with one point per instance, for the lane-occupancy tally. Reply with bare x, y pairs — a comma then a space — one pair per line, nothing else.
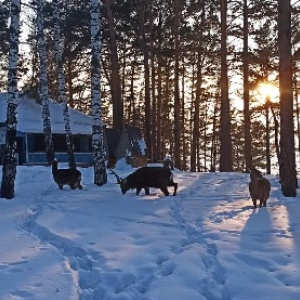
268, 90
263, 91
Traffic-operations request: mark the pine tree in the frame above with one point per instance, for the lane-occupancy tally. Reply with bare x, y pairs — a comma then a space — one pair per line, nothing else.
226, 144
287, 166
9, 165
247, 134
115, 81
143, 8
196, 103
177, 106
62, 84
100, 176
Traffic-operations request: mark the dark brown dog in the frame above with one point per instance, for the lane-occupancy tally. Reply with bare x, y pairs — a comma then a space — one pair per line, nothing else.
259, 188
70, 177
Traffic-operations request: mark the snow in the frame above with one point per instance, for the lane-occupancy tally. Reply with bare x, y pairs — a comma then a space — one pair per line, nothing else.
142, 146
30, 116
205, 243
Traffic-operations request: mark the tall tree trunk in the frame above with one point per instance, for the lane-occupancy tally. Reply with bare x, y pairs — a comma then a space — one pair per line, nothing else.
183, 130
115, 69
131, 106
148, 112
248, 156
70, 82
100, 176
196, 118
159, 92
276, 133
177, 104
297, 118
268, 154
158, 106
287, 164
196, 124
155, 153
226, 144
62, 85
44, 92
297, 110
9, 164
213, 153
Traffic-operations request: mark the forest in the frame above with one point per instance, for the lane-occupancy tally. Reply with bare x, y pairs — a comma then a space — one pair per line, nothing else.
214, 83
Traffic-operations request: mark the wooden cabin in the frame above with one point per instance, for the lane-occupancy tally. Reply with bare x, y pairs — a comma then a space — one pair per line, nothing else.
30, 137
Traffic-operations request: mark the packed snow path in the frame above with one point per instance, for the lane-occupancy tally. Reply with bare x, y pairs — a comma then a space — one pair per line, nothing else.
205, 243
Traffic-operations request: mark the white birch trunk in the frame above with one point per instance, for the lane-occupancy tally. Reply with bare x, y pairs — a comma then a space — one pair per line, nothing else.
100, 176
9, 165
62, 84
44, 92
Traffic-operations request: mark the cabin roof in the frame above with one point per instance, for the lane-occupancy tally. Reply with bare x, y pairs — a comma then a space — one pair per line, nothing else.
29, 117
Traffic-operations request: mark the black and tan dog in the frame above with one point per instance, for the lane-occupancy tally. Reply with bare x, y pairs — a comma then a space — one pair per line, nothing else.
70, 177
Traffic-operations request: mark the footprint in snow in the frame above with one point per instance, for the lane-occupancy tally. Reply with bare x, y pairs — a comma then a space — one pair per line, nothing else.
167, 268
162, 258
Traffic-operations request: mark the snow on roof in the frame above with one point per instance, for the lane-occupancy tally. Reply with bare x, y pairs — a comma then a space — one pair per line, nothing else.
30, 116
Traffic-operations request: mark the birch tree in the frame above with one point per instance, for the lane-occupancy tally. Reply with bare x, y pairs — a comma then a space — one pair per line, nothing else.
9, 164
4, 40
62, 84
100, 176
44, 92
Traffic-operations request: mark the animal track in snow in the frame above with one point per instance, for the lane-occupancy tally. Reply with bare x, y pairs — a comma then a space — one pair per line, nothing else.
86, 262
162, 258
214, 282
167, 268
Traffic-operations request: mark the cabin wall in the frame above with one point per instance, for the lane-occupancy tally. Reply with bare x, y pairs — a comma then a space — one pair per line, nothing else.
36, 149
85, 159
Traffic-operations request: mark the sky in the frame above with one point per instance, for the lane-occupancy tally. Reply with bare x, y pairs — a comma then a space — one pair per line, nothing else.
207, 242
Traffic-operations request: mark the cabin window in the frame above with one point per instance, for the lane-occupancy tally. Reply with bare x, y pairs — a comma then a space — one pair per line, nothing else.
76, 143
81, 143
36, 143
59, 142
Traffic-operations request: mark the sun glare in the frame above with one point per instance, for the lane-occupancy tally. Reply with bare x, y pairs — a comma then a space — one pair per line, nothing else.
260, 94
270, 90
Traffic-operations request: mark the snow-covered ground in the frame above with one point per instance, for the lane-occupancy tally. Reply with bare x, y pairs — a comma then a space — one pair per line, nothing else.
205, 243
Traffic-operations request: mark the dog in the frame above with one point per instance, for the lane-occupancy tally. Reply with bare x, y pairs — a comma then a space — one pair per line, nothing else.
259, 187
70, 177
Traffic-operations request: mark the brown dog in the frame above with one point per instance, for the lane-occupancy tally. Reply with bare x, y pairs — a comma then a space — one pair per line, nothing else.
259, 187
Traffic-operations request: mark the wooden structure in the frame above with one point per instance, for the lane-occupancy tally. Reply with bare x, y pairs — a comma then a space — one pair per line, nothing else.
132, 146
30, 137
